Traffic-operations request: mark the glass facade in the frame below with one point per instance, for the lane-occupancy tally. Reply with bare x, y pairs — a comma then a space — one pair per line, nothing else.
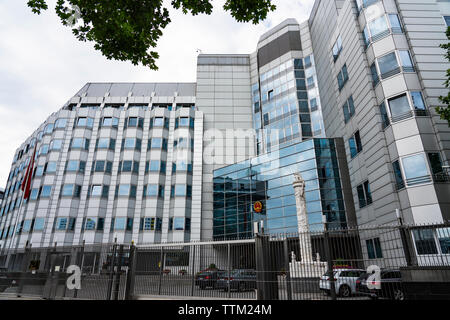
268, 179
286, 105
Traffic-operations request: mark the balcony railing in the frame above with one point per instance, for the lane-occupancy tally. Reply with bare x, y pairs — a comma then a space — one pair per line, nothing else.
418, 180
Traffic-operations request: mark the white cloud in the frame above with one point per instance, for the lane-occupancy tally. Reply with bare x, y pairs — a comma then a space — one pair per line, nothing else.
42, 65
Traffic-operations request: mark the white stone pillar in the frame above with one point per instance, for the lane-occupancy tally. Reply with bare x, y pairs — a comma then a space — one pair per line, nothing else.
302, 218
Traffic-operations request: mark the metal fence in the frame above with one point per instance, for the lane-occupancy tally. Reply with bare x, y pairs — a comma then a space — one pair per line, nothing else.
359, 263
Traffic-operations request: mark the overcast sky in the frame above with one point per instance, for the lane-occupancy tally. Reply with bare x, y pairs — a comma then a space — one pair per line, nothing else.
42, 65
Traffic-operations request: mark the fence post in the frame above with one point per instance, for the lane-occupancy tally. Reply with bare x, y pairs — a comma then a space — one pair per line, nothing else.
129, 288
118, 273
329, 259
404, 234
80, 263
160, 270
24, 269
229, 269
193, 271
111, 271
288, 271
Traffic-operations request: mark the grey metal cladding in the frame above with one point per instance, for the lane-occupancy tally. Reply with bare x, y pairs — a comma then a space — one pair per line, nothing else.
120, 89
137, 89
223, 59
289, 41
279, 27
143, 89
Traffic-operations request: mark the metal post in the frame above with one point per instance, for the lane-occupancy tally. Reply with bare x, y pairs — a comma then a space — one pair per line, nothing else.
24, 269
193, 271
129, 288
80, 263
160, 270
288, 271
119, 271
229, 269
404, 238
111, 271
329, 259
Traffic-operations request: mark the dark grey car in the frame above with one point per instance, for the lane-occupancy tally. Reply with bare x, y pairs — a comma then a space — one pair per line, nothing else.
239, 279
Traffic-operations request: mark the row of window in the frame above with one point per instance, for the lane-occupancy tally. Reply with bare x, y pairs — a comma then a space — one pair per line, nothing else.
128, 190
120, 106
105, 122
94, 223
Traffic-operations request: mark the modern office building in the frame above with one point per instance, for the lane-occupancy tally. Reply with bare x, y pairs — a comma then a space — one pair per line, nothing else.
346, 98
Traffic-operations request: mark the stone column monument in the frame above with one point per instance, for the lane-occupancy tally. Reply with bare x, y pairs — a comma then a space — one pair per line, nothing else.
306, 268
302, 218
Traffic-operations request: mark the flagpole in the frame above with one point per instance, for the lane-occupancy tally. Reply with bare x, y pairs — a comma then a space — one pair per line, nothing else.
28, 177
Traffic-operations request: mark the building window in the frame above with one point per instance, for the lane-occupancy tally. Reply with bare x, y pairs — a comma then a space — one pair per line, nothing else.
38, 224
43, 149
110, 122
337, 48
342, 77
447, 20
126, 190
105, 143
155, 166
153, 190
84, 122
349, 109
400, 183
425, 241
60, 123
435, 163
56, 145
48, 128
39, 171
134, 122
181, 166
157, 143
131, 143
122, 223
80, 143
159, 122
384, 116
374, 248
71, 190
364, 194
129, 166
381, 27
50, 167
399, 107
388, 65
98, 191
181, 190
355, 144
418, 103
415, 169
75, 166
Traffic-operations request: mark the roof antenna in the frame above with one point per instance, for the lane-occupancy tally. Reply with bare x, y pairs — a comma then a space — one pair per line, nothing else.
199, 51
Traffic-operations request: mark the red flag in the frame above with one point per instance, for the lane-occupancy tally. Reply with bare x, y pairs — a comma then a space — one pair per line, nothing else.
26, 183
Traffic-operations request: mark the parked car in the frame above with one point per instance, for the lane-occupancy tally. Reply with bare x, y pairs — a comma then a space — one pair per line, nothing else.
239, 279
390, 285
344, 281
208, 278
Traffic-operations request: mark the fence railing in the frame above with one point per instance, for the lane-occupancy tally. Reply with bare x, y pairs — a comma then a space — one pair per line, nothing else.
327, 264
